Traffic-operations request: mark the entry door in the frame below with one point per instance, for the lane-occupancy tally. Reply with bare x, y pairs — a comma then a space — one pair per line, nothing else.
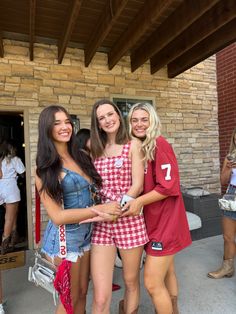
12, 129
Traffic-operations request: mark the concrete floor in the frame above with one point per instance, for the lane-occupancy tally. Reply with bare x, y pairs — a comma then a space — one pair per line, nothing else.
198, 293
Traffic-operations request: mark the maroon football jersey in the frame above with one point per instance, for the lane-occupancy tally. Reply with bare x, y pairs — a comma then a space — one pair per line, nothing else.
166, 220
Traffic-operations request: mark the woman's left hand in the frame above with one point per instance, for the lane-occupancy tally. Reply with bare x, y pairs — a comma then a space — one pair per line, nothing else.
132, 208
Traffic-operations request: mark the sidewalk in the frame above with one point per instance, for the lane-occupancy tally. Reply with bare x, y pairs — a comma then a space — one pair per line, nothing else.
198, 294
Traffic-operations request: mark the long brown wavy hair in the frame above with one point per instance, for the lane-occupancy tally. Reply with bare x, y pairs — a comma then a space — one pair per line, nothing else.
98, 136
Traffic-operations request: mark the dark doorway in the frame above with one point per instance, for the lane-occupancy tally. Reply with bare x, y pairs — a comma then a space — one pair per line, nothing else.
12, 129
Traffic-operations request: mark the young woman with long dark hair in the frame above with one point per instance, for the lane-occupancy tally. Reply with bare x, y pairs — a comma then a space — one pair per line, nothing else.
65, 179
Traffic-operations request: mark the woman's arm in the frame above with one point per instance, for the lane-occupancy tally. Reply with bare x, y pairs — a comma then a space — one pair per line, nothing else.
226, 171
135, 207
137, 162
164, 174
60, 216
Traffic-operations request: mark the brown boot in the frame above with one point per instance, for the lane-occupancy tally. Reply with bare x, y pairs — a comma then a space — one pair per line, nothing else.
14, 238
174, 304
5, 247
226, 270
121, 307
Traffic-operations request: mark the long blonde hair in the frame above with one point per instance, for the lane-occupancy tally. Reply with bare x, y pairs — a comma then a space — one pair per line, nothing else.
152, 132
232, 147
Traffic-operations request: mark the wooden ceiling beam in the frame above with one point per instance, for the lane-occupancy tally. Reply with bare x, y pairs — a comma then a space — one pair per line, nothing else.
106, 20
174, 25
222, 13
151, 10
209, 46
68, 29
32, 28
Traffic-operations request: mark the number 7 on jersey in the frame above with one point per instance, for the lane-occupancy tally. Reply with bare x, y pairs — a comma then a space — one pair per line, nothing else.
168, 169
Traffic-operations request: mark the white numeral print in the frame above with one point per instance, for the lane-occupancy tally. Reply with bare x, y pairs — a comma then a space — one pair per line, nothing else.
168, 168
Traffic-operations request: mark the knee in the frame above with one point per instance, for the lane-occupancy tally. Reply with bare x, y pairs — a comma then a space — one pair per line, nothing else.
229, 238
101, 302
153, 285
131, 282
149, 285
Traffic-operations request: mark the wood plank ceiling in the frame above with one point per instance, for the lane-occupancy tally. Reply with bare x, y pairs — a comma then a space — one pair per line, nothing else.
176, 33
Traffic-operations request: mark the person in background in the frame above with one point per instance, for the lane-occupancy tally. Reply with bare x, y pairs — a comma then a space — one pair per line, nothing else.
228, 176
119, 161
164, 211
1, 296
66, 180
83, 140
84, 143
11, 167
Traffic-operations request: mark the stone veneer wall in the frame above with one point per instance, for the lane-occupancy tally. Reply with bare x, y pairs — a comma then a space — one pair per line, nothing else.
187, 105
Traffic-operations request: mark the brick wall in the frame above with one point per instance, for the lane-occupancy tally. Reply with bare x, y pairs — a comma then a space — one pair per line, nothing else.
226, 88
187, 105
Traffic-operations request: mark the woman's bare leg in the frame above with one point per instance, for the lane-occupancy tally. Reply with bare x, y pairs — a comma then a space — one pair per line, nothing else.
102, 267
171, 280
131, 270
155, 271
75, 287
229, 232
10, 218
84, 272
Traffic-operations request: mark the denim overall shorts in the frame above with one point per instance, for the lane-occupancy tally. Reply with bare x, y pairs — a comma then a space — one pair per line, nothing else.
76, 194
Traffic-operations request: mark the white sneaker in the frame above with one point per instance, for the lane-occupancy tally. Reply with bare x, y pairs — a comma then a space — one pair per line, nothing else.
2, 309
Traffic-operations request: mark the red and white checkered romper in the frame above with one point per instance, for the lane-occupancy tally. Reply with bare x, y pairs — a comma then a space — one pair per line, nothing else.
126, 232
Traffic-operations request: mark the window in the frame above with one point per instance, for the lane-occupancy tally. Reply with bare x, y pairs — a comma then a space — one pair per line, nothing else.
124, 104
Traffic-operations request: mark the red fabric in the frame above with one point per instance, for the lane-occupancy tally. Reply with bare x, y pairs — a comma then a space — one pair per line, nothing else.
166, 220
115, 287
116, 175
126, 232
37, 216
62, 285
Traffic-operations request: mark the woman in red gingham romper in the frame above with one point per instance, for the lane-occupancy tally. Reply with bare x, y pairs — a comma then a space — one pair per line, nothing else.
120, 164
126, 232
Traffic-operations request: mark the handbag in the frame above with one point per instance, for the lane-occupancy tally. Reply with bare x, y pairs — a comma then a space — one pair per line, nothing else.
43, 272
228, 202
